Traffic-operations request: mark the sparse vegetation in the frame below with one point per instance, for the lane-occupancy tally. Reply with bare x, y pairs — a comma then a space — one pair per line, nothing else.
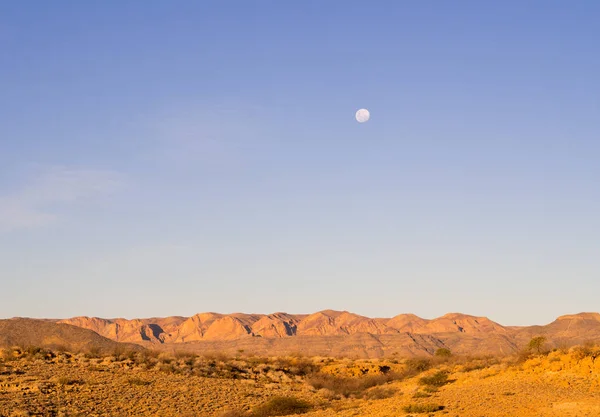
139, 381
379, 393
274, 386
438, 379
351, 387
423, 408
587, 350
536, 344
281, 406
64, 380
443, 353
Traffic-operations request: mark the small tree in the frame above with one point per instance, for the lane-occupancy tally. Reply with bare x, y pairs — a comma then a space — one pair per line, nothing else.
537, 343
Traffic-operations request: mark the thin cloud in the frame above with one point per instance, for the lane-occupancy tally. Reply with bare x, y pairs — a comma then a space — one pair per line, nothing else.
35, 204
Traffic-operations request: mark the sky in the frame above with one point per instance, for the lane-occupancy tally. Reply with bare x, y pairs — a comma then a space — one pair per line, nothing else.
170, 158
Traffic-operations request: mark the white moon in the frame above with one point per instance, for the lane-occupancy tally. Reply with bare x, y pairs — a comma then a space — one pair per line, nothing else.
363, 115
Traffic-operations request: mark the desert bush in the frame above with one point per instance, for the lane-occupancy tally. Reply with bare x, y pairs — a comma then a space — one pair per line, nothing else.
299, 366
138, 381
587, 350
420, 394
379, 393
65, 380
438, 379
417, 365
169, 368
443, 353
351, 386
281, 406
93, 353
523, 356
474, 364
536, 344
423, 408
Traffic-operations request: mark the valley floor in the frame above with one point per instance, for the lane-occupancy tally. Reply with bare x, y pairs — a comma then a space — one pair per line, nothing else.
556, 385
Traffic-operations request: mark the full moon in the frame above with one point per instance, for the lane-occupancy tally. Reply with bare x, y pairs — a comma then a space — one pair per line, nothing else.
363, 115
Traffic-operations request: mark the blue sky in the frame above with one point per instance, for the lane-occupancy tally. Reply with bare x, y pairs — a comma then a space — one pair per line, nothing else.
167, 158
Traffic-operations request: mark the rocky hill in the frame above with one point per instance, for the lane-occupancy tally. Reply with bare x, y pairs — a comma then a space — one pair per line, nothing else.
338, 333
42, 333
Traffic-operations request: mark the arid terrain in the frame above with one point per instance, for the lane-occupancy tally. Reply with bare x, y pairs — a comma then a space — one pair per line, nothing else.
40, 382
50, 368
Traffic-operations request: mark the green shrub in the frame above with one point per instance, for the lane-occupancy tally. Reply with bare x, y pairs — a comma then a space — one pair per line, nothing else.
420, 394
281, 406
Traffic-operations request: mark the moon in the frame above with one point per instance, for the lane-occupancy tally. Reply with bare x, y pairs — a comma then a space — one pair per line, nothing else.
362, 116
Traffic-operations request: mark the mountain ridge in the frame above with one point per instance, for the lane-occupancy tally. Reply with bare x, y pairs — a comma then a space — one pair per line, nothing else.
336, 333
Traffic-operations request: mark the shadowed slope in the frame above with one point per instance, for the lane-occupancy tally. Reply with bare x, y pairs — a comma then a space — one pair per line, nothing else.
41, 333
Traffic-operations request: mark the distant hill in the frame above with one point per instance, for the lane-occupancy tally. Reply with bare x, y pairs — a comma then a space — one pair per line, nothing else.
42, 333
338, 333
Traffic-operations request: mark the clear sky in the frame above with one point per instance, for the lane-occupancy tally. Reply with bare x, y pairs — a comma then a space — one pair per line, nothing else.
169, 158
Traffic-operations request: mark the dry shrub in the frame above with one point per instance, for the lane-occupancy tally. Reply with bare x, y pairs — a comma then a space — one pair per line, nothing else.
298, 365
93, 353
138, 381
281, 406
522, 356
443, 353
65, 380
423, 408
420, 394
379, 393
351, 386
416, 366
474, 364
587, 350
438, 379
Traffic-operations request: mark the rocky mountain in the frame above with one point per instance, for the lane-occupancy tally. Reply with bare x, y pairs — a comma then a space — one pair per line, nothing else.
223, 327
338, 333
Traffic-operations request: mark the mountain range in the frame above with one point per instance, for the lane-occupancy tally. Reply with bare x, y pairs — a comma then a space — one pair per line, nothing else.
327, 333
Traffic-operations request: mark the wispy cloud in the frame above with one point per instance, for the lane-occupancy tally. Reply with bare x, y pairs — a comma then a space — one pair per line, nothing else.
35, 204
